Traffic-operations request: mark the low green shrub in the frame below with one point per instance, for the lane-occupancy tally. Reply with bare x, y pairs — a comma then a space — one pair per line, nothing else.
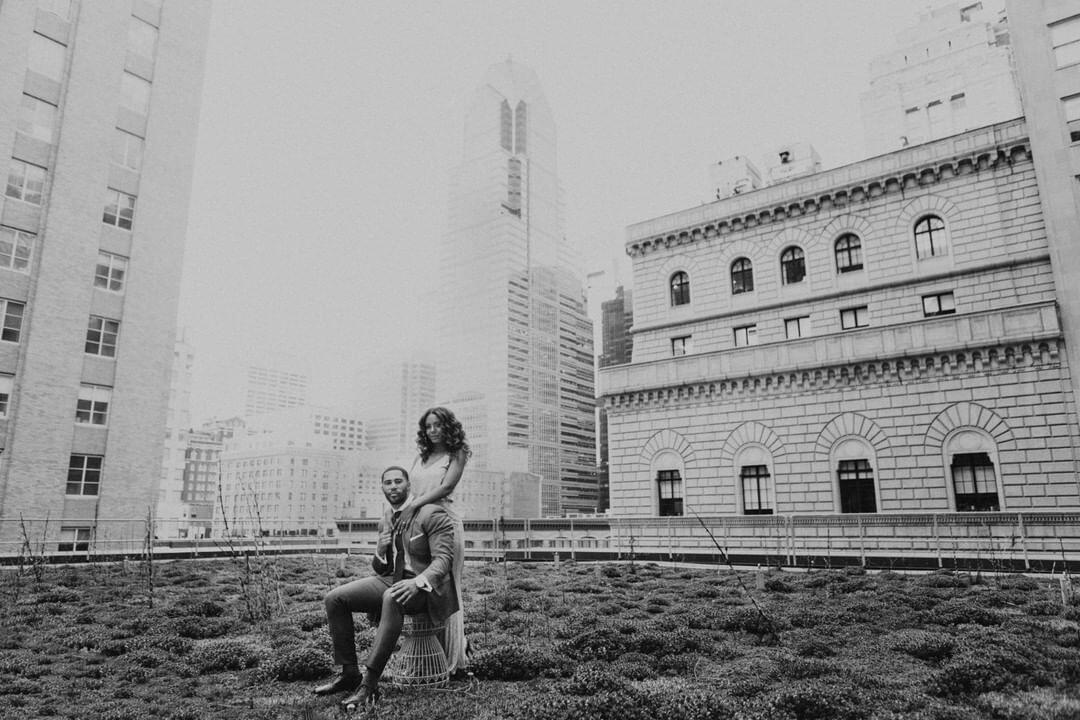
1043, 607
778, 585
197, 627
228, 654
944, 579
814, 699
958, 612
929, 646
591, 679
515, 660
300, 663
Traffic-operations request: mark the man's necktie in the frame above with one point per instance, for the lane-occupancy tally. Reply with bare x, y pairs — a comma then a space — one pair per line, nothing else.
399, 549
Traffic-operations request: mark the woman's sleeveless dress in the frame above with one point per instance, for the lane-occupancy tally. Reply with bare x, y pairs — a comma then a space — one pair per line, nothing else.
422, 479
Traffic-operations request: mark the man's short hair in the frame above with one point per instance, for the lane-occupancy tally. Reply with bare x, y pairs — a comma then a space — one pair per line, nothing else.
395, 467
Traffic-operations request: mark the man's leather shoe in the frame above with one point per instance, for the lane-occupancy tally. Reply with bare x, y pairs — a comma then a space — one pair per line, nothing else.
367, 695
341, 683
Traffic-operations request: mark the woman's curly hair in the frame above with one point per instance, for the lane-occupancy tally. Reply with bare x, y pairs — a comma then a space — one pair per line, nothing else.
453, 433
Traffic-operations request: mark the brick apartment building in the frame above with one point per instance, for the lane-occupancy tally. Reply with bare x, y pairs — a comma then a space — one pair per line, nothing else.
98, 115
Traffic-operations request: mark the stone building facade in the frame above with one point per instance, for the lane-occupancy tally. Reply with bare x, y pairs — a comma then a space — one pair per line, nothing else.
881, 337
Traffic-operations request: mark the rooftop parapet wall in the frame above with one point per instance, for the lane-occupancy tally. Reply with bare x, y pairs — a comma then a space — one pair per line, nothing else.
911, 167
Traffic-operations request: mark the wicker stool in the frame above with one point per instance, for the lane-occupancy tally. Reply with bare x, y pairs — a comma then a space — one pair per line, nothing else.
420, 659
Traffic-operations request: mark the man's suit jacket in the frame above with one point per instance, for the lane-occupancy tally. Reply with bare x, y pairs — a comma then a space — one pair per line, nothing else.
428, 538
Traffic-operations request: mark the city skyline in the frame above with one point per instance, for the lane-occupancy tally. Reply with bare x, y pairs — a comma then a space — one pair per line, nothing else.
315, 228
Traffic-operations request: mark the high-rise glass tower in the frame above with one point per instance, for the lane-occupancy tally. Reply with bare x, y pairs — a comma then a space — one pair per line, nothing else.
515, 343
99, 109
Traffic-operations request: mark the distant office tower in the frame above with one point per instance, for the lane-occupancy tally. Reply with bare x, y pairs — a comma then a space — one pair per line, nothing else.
417, 394
391, 398
515, 342
312, 426
177, 431
99, 107
952, 72
618, 317
277, 382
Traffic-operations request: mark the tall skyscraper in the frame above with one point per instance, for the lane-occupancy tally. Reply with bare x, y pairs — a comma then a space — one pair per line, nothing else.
951, 72
276, 382
516, 344
99, 108
618, 317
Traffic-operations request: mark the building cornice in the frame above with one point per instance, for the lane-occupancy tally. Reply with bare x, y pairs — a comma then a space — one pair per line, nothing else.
848, 186
989, 341
915, 367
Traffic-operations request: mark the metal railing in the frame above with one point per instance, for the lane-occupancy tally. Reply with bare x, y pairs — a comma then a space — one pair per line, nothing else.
1043, 541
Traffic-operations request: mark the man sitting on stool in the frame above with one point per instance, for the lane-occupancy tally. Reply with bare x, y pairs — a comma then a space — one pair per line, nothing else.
413, 563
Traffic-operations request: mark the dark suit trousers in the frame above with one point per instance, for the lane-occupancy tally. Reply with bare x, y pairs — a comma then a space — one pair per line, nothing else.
369, 595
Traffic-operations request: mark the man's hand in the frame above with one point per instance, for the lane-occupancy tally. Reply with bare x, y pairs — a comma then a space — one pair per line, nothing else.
404, 590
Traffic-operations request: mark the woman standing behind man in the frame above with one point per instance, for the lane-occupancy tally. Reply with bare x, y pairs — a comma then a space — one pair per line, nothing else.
435, 473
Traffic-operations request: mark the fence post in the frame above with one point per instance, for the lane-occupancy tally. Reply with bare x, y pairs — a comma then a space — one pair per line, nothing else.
862, 543
791, 540
1023, 540
937, 541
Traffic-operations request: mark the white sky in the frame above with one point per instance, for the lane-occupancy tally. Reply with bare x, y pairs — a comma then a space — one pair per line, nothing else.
329, 129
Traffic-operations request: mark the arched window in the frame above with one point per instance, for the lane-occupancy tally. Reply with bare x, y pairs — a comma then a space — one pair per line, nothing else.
669, 487
855, 475
680, 289
667, 468
742, 276
848, 253
971, 468
792, 266
755, 480
930, 237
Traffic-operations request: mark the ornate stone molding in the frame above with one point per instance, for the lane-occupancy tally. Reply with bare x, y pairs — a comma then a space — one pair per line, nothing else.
990, 148
916, 367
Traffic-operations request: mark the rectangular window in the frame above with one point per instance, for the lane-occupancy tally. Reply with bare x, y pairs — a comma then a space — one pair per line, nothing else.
938, 304
7, 386
974, 482
16, 249
856, 317
127, 150
84, 474
46, 57
669, 485
1065, 39
135, 93
119, 209
755, 488
680, 345
93, 405
797, 327
142, 37
1071, 107
746, 335
37, 118
13, 317
110, 272
26, 182
857, 494
101, 336
74, 539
